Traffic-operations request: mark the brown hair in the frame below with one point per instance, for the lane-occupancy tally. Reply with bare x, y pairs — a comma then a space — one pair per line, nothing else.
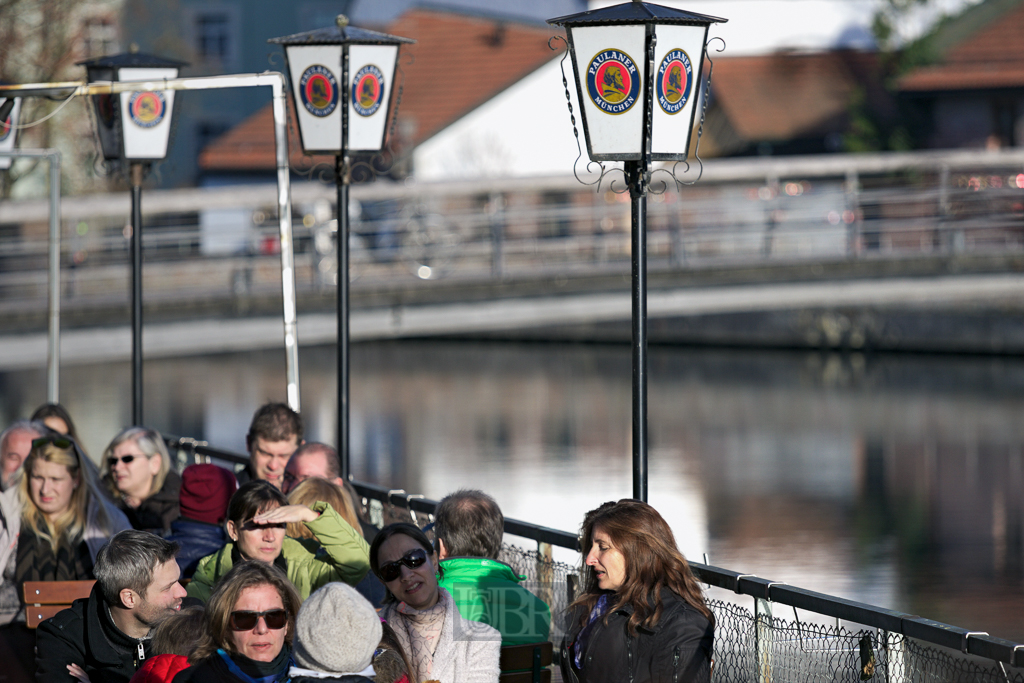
180, 633
652, 560
247, 574
309, 491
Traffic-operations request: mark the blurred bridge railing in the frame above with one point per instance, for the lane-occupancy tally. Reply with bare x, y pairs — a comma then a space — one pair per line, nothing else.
221, 243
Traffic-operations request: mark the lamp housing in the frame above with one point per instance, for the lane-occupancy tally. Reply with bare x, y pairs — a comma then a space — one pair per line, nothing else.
637, 68
343, 80
133, 126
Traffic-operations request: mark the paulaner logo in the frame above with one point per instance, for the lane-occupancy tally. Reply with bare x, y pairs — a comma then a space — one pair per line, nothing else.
674, 82
319, 90
146, 109
613, 81
367, 90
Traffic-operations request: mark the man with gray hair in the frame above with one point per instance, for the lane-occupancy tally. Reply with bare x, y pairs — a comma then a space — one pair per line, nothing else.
106, 636
468, 528
15, 444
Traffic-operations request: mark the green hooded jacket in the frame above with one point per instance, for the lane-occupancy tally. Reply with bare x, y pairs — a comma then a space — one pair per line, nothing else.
337, 554
488, 591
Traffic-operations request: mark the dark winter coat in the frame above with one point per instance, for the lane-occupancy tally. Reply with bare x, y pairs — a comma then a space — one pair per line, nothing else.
348, 678
215, 670
157, 512
678, 648
84, 634
197, 540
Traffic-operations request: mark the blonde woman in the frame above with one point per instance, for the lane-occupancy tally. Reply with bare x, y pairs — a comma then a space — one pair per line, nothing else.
137, 473
64, 519
309, 491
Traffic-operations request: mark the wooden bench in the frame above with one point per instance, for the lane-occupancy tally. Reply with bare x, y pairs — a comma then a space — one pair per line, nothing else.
43, 599
526, 663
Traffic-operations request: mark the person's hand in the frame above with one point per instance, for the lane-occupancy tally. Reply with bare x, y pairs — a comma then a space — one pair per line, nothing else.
78, 672
286, 515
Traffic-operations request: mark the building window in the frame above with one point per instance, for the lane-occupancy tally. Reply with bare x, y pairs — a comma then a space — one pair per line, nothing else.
213, 37
99, 36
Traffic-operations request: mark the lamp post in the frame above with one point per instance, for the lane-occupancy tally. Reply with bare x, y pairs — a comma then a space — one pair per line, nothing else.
637, 69
134, 128
354, 68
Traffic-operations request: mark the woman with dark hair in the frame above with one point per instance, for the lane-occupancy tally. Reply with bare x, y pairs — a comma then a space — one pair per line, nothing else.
439, 643
640, 615
249, 627
138, 476
258, 515
56, 417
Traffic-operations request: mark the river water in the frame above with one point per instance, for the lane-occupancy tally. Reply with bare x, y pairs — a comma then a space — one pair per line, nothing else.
892, 480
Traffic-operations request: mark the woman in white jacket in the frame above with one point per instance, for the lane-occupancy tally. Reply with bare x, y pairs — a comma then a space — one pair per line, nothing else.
439, 644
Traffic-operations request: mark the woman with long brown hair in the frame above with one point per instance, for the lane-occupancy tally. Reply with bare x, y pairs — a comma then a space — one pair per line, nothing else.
641, 615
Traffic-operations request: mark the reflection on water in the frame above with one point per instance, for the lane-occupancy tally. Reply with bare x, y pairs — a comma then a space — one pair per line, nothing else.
891, 480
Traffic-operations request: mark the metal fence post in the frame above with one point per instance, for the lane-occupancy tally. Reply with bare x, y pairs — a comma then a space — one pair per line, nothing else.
763, 639
495, 211
853, 205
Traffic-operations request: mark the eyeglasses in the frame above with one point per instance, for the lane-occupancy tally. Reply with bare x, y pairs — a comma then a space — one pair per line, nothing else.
412, 559
58, 441
245, 620
126, 459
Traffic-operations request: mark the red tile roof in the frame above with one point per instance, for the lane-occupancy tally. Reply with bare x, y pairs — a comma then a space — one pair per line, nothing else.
991, 58
783, 96
458, 63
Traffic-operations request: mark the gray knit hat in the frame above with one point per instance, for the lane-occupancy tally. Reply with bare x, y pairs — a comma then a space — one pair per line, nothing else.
336, 631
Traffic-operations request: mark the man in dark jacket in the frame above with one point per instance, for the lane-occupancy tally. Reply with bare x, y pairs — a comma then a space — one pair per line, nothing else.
106, 635
205, 493
468, 528
274, 434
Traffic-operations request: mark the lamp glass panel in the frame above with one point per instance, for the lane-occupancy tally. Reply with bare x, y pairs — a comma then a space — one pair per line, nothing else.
8, 133
371, 70
610, 76
315, 72
146, 114
678, 57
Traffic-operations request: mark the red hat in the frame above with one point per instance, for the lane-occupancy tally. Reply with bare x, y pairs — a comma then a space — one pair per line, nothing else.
205, 492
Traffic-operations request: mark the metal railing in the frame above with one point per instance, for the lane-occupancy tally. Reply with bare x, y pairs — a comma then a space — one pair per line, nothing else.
750, 645
743, 211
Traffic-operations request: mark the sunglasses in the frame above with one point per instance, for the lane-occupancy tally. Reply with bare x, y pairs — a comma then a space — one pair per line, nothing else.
126, 459
244, 620
58, 441
412, 559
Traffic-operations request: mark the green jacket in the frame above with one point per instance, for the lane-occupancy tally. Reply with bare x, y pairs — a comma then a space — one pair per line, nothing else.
337, 554
489, 591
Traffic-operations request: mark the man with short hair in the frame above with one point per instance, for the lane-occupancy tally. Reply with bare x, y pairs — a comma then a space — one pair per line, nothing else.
274, 434
313, 459
468, 528
107, 635
15, 444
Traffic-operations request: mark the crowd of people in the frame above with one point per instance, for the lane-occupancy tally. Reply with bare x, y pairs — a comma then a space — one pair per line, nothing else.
273, 573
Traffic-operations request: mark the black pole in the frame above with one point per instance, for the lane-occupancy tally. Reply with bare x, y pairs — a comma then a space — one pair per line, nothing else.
343, 180
343, 335
136, 244
638, 215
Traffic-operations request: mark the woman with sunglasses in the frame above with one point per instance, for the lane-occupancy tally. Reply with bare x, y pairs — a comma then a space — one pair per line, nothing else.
137, 473
65, 520
641, 615
258, 515
249, 627
439, 643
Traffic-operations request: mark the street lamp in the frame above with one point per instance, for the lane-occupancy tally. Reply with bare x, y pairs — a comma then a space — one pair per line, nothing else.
637, 69
342, 81
133, 128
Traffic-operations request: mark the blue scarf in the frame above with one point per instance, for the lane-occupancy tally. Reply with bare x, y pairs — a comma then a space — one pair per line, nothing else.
599, 610
279, 676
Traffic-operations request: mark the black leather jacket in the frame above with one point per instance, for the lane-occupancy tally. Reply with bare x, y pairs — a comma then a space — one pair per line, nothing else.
677, 649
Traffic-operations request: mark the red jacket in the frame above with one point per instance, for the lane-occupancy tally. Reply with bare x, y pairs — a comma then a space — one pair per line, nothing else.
160, 669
